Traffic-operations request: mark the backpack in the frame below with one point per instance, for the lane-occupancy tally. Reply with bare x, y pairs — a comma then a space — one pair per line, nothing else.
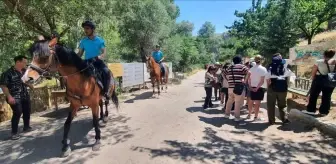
279, 85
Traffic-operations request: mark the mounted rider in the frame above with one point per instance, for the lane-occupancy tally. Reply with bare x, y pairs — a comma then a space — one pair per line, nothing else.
158, 57
95, 52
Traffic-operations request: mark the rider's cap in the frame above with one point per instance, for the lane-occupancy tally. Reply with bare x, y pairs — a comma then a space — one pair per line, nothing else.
157, 46
89, 24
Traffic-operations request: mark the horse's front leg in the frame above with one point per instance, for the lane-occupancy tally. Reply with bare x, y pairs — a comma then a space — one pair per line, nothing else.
153, 86
158, 85
106, 112
102, 116
162, 83
66, 150
97, 144
166, 83
101, 110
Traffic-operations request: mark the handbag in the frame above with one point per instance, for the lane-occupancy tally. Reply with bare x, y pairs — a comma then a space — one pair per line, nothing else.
331, 82
238, 88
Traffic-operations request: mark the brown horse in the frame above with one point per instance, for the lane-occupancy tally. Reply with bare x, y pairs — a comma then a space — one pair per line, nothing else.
156, 75
81, 85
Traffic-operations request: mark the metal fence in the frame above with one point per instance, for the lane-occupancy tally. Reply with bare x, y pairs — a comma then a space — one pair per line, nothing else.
137, 74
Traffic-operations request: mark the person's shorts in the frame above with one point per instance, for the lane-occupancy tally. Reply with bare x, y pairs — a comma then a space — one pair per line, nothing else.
259, 95
224, 90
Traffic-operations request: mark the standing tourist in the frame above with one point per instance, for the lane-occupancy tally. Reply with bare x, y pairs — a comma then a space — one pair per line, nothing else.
277, 80
218, 84
236, 77
210, 79
257, 87
17, 95
224, 93
320, 76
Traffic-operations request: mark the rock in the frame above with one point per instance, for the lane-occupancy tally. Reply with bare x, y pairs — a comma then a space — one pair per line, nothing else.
297, 115
311, 121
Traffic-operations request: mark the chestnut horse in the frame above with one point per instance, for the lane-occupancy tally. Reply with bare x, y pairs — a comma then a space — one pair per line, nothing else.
82, 88
156, 75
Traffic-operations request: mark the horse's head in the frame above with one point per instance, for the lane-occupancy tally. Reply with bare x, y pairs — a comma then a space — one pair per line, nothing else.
43, 61
149, 63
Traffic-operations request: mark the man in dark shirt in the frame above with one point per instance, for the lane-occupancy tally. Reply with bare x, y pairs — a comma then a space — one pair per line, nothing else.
17, 94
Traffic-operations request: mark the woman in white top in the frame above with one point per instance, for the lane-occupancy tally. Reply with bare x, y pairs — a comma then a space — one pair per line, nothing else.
320, 76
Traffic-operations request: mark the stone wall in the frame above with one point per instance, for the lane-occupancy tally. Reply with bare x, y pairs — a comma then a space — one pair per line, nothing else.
41, 100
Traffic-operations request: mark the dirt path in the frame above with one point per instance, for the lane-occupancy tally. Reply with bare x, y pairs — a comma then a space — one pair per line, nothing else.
172, 129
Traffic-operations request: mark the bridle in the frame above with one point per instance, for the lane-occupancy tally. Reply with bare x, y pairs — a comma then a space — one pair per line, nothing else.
45, 72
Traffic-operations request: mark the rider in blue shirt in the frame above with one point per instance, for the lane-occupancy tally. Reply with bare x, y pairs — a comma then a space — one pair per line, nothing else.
158, 57
95, 51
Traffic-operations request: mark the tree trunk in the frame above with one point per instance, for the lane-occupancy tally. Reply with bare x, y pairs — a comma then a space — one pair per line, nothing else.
310, 38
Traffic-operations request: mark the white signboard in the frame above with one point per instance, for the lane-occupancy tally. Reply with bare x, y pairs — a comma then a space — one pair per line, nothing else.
133, 74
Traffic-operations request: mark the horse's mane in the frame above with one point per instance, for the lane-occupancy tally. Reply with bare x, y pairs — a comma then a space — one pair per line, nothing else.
65, 55
68, 57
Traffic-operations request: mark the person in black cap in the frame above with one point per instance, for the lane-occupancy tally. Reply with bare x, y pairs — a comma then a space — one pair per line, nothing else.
95, 52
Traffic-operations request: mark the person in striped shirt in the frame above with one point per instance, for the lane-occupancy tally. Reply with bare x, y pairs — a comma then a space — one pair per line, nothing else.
236, 74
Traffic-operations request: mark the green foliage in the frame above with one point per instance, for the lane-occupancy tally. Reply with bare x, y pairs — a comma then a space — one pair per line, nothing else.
131, 28
311, 15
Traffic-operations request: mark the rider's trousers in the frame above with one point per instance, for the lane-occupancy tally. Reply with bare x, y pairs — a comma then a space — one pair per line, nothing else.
106, 78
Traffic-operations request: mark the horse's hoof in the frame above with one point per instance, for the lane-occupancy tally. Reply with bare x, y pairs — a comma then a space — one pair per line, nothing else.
105, 119
96, 145
66, 152
101, 124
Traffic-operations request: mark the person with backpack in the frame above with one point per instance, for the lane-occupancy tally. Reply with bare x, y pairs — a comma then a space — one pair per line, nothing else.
277, 80
323, 73
236, 78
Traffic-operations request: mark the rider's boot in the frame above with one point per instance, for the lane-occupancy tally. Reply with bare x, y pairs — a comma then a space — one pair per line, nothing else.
107, 79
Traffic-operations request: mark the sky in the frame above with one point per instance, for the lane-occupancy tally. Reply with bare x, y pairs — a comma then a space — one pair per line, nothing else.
219, 12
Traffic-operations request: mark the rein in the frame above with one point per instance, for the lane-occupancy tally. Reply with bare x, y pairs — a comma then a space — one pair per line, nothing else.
45, 73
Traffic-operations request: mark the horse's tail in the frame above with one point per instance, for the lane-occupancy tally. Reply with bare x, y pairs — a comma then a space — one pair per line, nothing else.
115, 99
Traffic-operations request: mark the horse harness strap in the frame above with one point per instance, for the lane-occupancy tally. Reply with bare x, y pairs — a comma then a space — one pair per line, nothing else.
79, 98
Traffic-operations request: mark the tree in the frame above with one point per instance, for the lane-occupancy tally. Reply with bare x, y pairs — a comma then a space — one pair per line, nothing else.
144, 23
310, 15
184, 28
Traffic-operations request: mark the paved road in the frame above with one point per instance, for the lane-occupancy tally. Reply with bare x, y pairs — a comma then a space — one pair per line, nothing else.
172, 129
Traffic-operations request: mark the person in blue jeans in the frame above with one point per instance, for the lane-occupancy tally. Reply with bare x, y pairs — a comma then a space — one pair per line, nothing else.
158, 57
95, 52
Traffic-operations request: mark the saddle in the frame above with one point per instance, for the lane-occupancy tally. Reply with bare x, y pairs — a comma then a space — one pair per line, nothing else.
162, 68
98, 74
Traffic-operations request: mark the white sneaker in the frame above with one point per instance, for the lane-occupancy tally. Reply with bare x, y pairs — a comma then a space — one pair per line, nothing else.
259, 119
248, 117
237, 119
226, 116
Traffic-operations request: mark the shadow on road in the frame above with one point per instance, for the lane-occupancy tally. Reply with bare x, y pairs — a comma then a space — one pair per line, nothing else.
206, 111
142, 96
44, 143
220, 121
213, 148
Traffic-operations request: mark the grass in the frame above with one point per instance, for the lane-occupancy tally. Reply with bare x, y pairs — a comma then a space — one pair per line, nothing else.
322, 37
193, 71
